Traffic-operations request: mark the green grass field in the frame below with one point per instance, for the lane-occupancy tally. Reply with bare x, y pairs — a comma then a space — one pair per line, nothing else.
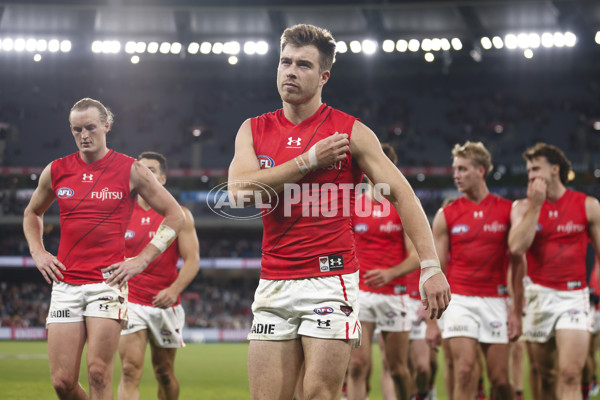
205, 371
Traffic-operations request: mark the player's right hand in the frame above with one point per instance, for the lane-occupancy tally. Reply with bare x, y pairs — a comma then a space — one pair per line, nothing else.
537, 191
49, 266
331, 149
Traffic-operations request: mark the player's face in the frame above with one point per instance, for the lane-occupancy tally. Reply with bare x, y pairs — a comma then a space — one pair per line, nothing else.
88, 130
540, 168
299, 77
154, 167
466, 174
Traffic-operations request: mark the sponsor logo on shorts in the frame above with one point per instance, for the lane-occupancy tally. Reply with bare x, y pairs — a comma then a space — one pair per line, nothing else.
103, 307
573, 313
391, 314
535, 334
331, 263
266, 162
129, 234
121, 299
324, 323
165, 332
64, 192
496, 324
460, 229
66, 313
361, 228
323, 310
106, 298
267, 329
346, 310
574, 285
458, 328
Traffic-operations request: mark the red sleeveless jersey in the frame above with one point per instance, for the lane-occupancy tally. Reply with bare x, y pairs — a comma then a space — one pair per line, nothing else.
379, 242
161, 272
556, 258
479, 245
309, 233
412, 284
95, 206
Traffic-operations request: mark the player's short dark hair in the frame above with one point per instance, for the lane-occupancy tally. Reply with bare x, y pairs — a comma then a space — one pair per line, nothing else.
554, 155
390, 152
105, 114
304, 35
476, 152
152, 155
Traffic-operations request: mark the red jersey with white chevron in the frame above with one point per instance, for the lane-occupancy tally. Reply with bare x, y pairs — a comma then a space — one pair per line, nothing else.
309, 233
161, 272
479, 246
412, 284
556, 258
95, 205
379, 242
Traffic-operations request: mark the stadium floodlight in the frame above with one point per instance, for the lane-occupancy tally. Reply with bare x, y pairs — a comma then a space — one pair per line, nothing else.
596, 125
445, 43
250, 47
598, 37
130, 47
41, 45
37, 57
140, 47
413, 45
205, 48
570, 39
534, 40
497, 41
232, 60
65, 46
369, 46
426, 44
341, 47
175, 48
547, 39
165, 47
456, 44
388, 45
523, 40
53, 46
528, 53
401, 45
486, 43
429, 57
262, 47
135, 59
20, 44
355, 46
559, 39
7, 44
108, 46
193, 48
30, 45
436, 44
511, 41
231, 48
152, 47
96, 46
217, 48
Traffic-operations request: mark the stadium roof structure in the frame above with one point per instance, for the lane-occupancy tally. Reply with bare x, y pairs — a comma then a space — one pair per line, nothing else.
186, 21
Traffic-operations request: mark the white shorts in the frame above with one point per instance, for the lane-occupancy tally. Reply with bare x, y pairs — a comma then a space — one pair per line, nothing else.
389, 312
324, 307
70, 303
596, 324
549, 310
165, 325
481, 318
419, 326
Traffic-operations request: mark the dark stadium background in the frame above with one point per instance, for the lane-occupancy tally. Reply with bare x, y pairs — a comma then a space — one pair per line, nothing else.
189, 107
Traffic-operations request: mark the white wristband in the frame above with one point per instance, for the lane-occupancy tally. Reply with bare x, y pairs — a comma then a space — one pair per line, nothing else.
430, 263
301, 165
427, 273
165, 235
312, 158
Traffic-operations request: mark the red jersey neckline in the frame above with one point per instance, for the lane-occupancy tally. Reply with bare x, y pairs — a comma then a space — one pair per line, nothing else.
286, 122
483, 201
96, 164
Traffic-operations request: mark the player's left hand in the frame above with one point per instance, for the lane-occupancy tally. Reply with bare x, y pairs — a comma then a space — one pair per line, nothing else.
514, 326
377, 278
119, 273
165, 298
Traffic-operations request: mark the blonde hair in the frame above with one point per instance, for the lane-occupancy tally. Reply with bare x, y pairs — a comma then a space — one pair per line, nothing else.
476, 152
105, 114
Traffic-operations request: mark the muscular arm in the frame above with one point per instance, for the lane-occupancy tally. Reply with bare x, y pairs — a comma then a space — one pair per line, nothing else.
441, 238
245, 169
516, 275
366, 150
524, 217
33, 228
592, 209
189, 250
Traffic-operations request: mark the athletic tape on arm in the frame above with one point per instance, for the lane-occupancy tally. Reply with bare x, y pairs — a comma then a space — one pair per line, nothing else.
163, 238
429, 268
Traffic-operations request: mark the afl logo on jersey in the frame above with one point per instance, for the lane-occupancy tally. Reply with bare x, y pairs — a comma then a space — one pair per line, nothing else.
361, 228
266, 162
64, 193
129, 234
539, 227
460, 229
